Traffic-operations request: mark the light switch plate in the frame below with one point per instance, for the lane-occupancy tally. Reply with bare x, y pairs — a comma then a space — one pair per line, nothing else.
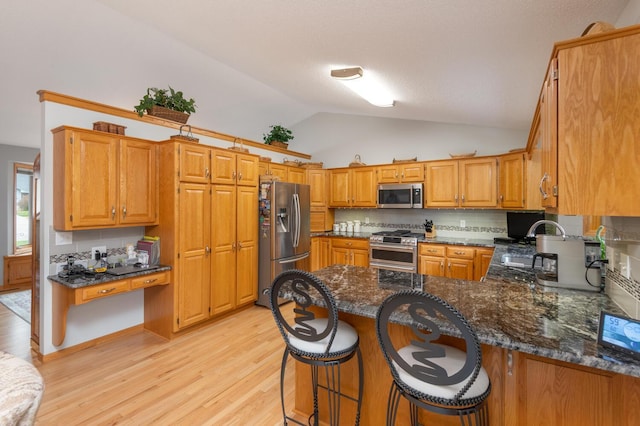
625, 265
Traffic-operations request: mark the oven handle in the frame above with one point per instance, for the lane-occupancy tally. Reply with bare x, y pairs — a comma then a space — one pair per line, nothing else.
393, 247
393, 267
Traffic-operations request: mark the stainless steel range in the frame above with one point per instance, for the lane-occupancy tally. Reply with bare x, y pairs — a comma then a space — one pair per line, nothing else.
395, 250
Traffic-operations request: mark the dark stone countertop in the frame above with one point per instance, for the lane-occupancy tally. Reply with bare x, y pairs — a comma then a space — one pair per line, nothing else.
480, 242
553, 323
102, 278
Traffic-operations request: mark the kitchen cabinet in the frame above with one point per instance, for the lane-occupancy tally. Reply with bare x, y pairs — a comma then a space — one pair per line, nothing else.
283, 172
350, 251
453, 261
17, 272
588, 121
202, 231
462, 183
103, 180
320, 253
401, 173
233, 168
296, 175
352, 187
321, 217
511, 171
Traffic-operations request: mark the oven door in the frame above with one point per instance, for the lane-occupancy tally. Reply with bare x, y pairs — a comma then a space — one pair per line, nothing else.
394, 257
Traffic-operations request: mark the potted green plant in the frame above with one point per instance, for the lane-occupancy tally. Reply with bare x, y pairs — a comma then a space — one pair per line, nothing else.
169, 104
278, 136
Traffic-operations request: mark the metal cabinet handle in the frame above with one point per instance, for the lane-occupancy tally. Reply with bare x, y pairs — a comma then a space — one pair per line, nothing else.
463, 198
501, 198
233, 246
239, 245
432, 250
106, 290
150, 281
459, 253
206, 172
509, 362
240, 176
233, 175
456, 198
207, 249
124, 212
113, 212
544, 194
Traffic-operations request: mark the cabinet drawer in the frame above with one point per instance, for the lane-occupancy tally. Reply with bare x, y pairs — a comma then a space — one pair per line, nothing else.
432, 250
150, 280
96, 291
461, 252
350, 243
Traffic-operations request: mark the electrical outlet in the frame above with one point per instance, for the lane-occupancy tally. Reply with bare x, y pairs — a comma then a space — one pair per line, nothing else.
463, 224
366, 219
611, 255
625, 266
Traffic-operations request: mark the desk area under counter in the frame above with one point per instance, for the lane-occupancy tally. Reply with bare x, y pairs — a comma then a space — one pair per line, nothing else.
539, 345
77, 292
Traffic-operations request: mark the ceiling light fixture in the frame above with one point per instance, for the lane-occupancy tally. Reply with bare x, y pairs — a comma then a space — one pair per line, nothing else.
364, 86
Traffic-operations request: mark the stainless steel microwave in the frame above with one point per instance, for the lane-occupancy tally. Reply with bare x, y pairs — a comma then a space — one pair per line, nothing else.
400, 196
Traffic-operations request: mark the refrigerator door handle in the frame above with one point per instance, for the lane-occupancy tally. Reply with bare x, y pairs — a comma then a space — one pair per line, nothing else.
296, 207
293, 259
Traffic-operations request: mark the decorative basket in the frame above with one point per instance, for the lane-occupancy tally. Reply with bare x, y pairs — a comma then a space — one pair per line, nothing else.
240, 148
409, 160
280, 144
293, 163
312, 165
467, 155
186, 137
168, 114
103, 126
356, 162
265, 159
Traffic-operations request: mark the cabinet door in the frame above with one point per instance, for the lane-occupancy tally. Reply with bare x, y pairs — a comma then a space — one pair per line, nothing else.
442, 184
360, 257
340, 255
388, 174
482, 262
263, 168
247, 170
478, 183
412, 172
549, 148
297, 175
459, 268
223, 163
363, 187
339, 195
195, 163
94, 186
223, 250
512, 181
317, 180
430, 265
193, 248
138, 182
320, 253
279, 170
247, 252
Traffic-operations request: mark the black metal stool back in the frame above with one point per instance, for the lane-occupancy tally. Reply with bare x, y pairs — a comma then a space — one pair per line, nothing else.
319, 342
431, 375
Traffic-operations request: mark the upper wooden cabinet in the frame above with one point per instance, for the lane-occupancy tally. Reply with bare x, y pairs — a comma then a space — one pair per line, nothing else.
511, 170
283, 172
321, 217
195, 163
588, 118
352, 187
231, 168
461, 183
103, 180
400, 173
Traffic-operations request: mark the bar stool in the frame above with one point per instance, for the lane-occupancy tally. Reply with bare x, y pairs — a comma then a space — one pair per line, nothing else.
318, 342
433, 376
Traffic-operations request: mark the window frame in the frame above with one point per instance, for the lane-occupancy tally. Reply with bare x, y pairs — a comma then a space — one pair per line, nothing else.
26, 249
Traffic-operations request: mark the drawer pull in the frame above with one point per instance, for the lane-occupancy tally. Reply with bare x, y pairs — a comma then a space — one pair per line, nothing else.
432, 251
150, 281
106, 290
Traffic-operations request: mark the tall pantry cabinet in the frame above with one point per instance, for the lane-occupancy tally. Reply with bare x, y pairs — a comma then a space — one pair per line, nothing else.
197, 224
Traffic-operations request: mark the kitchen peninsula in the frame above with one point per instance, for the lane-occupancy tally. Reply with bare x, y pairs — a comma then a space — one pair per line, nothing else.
539, 347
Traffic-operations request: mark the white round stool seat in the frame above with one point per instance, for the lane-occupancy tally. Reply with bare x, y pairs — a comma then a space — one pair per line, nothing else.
21, 388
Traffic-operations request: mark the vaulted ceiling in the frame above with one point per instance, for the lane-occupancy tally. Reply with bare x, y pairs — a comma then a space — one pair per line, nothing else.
250, 63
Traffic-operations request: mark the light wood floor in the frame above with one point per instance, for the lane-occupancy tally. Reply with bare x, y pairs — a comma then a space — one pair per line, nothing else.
223, 374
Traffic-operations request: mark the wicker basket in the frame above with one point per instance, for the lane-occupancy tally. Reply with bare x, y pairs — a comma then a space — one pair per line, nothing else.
186, 137
103, 126
312, 165
168, 114
280, 144
356, 162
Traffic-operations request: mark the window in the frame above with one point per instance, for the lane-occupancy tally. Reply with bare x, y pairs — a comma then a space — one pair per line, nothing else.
23, 190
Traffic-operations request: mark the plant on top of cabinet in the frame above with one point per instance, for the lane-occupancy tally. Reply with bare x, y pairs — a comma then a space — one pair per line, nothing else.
278, 136
169, 104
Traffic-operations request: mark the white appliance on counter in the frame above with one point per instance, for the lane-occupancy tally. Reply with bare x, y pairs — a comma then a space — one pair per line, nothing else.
285, 231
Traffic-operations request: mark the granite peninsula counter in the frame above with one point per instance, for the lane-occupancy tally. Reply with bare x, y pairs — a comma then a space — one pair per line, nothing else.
539, 345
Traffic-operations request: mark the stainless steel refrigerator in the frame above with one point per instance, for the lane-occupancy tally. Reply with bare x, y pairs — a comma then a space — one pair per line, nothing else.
285, 232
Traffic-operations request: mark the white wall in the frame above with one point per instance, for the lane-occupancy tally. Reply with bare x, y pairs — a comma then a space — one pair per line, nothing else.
335, 139
630, 15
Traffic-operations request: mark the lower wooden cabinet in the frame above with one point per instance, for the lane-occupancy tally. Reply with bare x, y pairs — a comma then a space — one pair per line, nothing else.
452, 261
320, 253
17, 272
350, 251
